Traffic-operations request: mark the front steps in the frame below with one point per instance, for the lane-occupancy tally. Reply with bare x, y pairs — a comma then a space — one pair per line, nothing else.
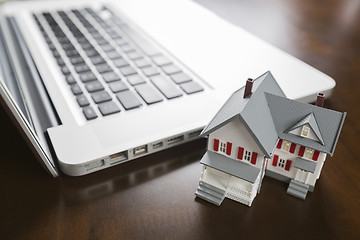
210, 193
298, 189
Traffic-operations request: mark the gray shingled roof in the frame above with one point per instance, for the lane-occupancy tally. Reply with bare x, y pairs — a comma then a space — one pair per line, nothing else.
269, 115
286, 113
252, 111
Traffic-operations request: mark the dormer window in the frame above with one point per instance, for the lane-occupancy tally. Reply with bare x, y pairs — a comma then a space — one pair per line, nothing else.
305, 131
307, 128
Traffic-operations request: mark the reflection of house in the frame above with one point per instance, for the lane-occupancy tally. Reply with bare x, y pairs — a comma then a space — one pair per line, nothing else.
258, 132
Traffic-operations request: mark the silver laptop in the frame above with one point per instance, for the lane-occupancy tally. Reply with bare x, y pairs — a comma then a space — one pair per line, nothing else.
95, 84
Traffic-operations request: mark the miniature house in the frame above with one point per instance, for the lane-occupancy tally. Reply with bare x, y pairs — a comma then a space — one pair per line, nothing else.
259, 132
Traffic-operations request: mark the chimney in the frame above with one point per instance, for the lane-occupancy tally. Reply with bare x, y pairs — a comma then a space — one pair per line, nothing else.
248, 87
320, 99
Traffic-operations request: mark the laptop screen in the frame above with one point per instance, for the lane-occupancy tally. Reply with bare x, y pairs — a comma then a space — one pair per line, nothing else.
21, 100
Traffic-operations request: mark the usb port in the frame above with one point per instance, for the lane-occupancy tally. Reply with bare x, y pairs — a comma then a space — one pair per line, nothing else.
140, 150
94, 165
195, 133
157, 145
175, 139
118, 157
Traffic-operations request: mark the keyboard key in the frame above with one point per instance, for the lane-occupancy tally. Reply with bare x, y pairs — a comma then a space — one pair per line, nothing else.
191, 87
150, 71
71, 52
107, 48
120, 41
76, 90
141, 63
67, 46
82, 68
82, 100
55, 53
60, 61
171, 69
102, 68
65, 70
97, 60
114, 54
87, 76
180, 78
76, 60
101, 96
89, 113
147, 93
101, 41
91, 52
145, 45
70, 79
110, 76
117, 86
135, 79
127, 48
161, 60
127, 70
108, 108
113, 34
93, 86
120, 62
128, 99
134, 55
166, 87
85, 45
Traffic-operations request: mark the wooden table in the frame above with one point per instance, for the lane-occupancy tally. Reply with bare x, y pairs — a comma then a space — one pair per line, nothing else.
153, 198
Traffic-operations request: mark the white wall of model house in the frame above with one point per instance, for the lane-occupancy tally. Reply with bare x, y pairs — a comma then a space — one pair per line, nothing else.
294, 173
236, 133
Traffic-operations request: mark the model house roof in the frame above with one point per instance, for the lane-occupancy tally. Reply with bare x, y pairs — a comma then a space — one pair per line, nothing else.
287, 114
270, 116
252, 111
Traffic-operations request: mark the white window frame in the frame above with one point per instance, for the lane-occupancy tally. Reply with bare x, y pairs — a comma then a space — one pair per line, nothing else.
281, 163
309, 153
305, 131
247, 155
286, 145
222, 147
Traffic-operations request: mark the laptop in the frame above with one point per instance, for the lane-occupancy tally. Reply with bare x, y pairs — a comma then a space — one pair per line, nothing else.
94, 84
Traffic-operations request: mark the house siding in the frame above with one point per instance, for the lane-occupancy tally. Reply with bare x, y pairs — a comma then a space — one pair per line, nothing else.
237, 134
291, 174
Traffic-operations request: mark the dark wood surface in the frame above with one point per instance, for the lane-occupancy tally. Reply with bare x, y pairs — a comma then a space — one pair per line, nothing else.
153, 198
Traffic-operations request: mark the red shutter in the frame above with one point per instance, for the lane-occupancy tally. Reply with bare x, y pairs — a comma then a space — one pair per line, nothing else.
228, 148
253, 157
279, 144
292, 147
216, 145
288, 164
316, 155
301, 151
240, 153
275, 160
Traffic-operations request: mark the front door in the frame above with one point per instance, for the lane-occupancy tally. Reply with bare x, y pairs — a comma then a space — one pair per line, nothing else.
301, 176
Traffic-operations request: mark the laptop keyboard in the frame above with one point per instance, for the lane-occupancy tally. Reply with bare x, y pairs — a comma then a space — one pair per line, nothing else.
108, 66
